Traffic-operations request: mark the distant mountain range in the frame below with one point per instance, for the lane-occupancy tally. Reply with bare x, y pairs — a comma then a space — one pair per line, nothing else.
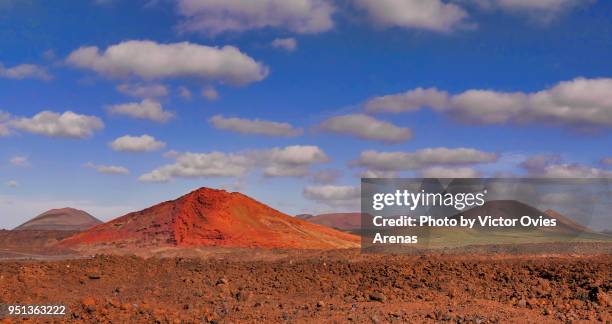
217, 218
209, 217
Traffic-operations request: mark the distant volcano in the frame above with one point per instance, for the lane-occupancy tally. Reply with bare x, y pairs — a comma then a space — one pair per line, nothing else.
64, 219
340, 221
513, 209
209, 217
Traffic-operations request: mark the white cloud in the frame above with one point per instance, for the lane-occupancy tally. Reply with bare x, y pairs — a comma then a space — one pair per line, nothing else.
146, 109
52, 124
150, 60
295, 155
578, 102
441, 156
210, 93
335, 196
434, 15
288, 44
212, 17
140, 90
377, 174
20, 161
488, 107
254, 126
290, 161
411, 100
451, 173
193, 165
144, 143
366, 127
12, 184
25, 71
108, 169
574, 171
184, 93
552, 166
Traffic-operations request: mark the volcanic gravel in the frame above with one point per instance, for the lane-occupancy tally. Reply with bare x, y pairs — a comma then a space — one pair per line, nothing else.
309, 287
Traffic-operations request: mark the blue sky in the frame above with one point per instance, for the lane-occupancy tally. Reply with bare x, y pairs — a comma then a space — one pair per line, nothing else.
515, 88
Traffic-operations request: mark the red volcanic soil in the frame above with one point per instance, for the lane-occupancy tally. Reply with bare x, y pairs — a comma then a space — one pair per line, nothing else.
62, 219
30, 243
341, 221
317, 287
209, 217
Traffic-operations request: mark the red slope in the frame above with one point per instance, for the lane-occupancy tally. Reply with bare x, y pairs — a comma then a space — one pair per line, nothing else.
209, 217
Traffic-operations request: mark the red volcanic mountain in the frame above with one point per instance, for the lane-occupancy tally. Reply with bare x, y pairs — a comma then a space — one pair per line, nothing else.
63, 219
209, 217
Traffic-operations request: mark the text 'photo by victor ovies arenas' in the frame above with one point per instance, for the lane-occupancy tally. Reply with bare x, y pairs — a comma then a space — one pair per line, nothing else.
306, 161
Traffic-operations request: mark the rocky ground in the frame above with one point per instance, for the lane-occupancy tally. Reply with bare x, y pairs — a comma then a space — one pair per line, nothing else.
337, 286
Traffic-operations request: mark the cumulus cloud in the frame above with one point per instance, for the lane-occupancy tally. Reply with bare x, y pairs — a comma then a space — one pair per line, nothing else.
146, 109
578, 102
434, 15
334, 196
429, 157
213, 17
210, 93
193, 165
411, 100
108, 169
12, 184
288, 44
290, 161
366, 127
150, 60
377, 174
254, 126
140, 90
446, 172
25, 71
20, 161
574, 170
52, 124
143, 143
552, 166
